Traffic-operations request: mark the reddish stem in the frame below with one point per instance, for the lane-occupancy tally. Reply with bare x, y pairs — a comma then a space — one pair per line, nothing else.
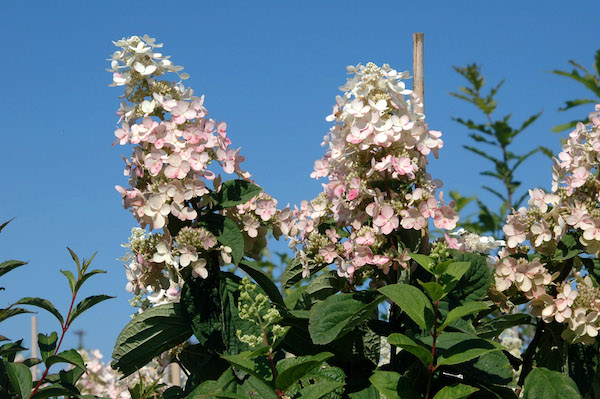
64, 327
432, 368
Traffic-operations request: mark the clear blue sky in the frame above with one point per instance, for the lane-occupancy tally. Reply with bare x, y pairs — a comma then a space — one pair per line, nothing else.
271, 71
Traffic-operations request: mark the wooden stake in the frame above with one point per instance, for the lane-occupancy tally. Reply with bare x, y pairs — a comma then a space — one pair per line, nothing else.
418, 82
174, 370
34, 345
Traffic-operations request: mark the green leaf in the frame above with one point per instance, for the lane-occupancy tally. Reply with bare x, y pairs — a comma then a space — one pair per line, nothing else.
11, 349
433, 290
338, 314
20, 378
254, 363
149, 334
86, 304
569, 247
289, 371
393, 385
55, 390
413, 302
70, 356
292, 274
256, 388
47, 344
42, 303
492, 368
9, 265
324, 286
202, 307
452, 275
227, 233
263, 281
10, 312
494, 327
209, 389
76, 260
474, 284
548, 384
460, 348
86, 276
71, 278
321, 375
409, 345
424, 260
462, 311
457, 391
235, 192
3, 225
320, 389
370, 392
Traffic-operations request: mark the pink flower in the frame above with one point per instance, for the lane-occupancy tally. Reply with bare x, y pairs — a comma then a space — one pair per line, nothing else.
445, 218
387, 221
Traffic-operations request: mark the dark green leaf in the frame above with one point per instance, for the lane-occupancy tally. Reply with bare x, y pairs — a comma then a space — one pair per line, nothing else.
3, 225
460, 348
71, 278
338, 314
70, 356
235, 192
86, 304
457, 391
55, 390
263, 281
324, 286
474, 284
462, 311
433, 290
490, 368
149, 334
254, 363
44, 304
409, 345
231, 322
413, 302
9, 265
75, 259
256, 388
85, 277
10, 312
569, 247
320, 389
20, 378
289, 371
393, 385
424, 260
47, 344
201, 304
227, 233
548, 384
494, 327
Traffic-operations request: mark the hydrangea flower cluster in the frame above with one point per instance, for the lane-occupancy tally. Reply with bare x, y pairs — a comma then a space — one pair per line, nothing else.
175, 146
573, 203
175, 141
377, 183
101, 380
571, 207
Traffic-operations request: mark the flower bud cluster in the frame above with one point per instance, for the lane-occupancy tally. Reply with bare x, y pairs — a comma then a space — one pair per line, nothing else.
377, 184
255, 307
